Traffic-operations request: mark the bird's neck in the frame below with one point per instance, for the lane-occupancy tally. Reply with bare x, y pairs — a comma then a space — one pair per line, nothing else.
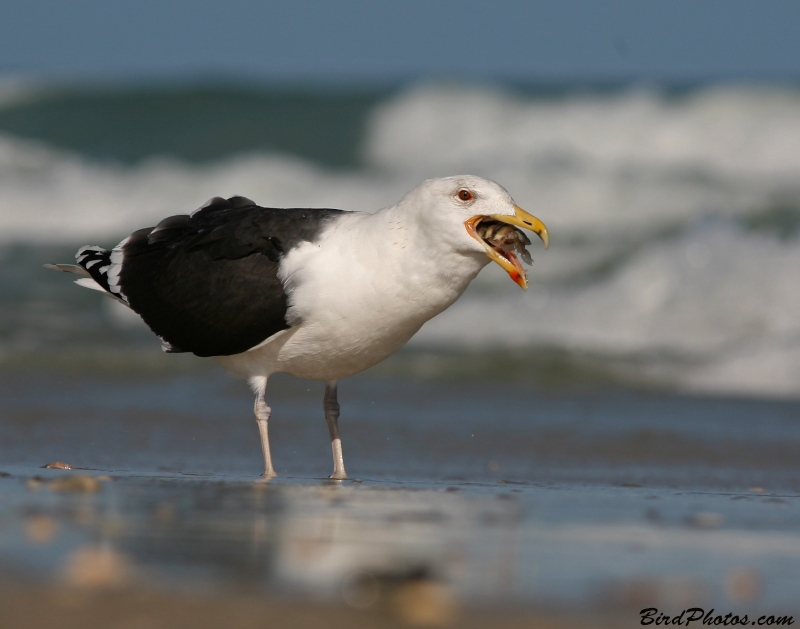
426, 268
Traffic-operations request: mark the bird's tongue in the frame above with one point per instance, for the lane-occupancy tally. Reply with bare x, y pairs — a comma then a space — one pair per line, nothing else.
518, 275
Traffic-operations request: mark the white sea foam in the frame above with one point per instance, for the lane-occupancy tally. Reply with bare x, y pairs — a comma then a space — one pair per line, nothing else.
652, 202
16, 90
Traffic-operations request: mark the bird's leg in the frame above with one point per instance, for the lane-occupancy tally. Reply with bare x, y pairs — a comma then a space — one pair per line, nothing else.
263, 412
332, 417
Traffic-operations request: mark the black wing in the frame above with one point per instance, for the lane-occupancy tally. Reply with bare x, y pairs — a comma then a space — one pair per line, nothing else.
208, 283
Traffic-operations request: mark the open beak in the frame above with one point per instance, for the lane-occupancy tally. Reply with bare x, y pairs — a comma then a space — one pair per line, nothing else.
508, 259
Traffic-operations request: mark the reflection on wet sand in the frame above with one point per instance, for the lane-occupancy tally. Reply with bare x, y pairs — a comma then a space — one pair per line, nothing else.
423, 553
586, 504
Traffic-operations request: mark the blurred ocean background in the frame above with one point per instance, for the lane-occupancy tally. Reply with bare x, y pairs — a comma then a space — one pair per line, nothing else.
623, 435
674, 213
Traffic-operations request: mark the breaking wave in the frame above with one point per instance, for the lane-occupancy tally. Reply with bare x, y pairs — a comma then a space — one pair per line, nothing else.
675, 220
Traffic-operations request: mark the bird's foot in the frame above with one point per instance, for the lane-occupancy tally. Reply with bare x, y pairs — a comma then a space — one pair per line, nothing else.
338, 475
268, 474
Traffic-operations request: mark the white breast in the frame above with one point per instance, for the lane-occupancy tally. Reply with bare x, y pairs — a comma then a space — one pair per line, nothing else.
356, 296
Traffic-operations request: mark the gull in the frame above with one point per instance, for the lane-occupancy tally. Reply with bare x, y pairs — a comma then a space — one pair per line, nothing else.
320, 294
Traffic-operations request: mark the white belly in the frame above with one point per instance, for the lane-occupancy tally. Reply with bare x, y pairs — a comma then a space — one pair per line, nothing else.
313, 353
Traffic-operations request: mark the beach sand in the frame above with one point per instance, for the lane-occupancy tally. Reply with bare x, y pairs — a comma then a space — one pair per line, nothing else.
37, 606
472, 504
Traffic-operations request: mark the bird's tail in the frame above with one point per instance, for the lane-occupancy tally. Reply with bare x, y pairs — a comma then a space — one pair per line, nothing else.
99, 268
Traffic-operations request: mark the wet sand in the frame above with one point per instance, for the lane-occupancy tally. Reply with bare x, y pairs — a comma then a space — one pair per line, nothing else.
471, 504
33, 605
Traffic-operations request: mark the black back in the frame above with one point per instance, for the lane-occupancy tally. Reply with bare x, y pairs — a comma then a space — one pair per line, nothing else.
208, 283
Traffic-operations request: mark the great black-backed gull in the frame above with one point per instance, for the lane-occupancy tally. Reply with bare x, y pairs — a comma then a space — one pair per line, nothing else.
320, 294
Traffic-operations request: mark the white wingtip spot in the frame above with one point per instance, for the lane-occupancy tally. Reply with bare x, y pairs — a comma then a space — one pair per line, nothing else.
88, 282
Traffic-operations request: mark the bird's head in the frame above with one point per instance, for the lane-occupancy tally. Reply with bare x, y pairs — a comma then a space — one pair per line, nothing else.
478, 216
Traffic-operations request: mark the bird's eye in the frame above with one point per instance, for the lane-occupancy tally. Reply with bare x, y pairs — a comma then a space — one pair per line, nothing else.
465, 195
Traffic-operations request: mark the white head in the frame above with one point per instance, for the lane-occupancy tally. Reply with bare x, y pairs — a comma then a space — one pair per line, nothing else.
474, 216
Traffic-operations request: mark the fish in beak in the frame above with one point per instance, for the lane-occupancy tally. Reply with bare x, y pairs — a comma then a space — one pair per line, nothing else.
504, 243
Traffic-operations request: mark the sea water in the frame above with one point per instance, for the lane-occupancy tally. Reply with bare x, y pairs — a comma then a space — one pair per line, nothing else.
675, 215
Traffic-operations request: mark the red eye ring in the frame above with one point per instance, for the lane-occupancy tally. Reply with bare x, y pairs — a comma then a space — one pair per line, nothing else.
465, 195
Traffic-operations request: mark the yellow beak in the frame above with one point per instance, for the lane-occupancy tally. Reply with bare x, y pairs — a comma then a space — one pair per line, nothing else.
511, 264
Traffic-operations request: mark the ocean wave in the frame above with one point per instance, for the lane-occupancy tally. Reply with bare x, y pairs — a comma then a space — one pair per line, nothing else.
675, 220
720, 131
15, 91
